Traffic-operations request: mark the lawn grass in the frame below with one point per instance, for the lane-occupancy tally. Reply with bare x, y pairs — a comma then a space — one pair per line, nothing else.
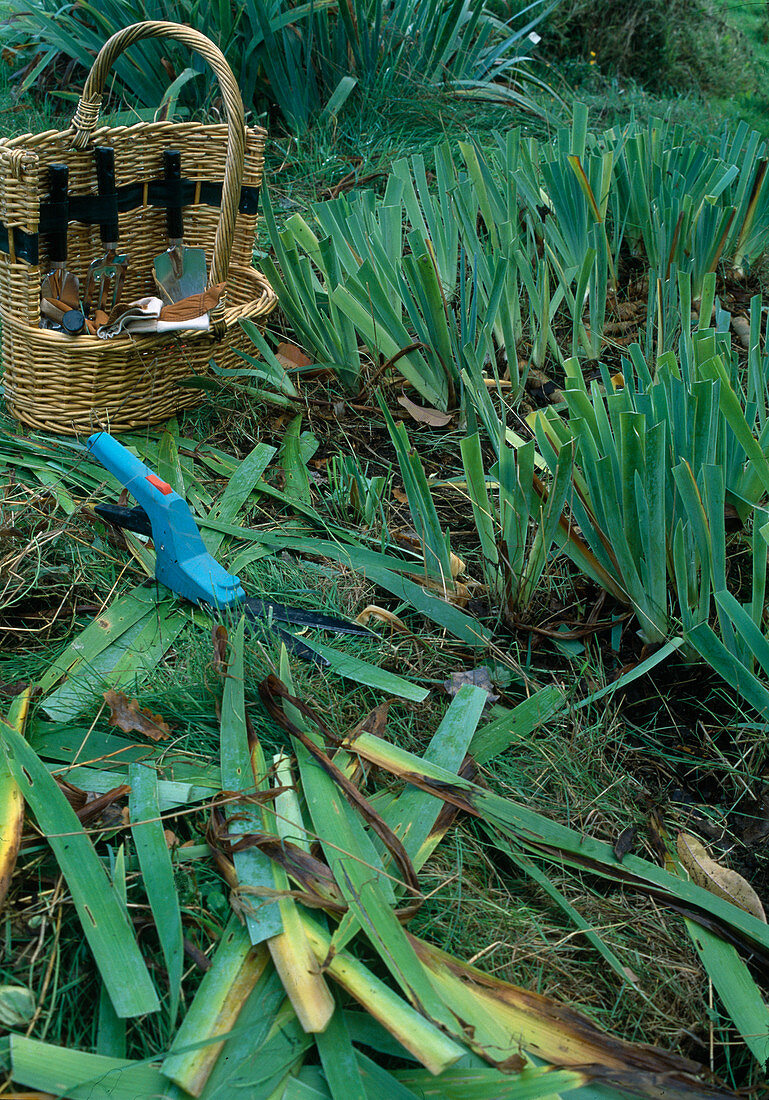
598, 768
752, 20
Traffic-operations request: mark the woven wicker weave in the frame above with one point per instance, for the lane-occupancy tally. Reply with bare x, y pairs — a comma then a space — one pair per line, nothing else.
70, 384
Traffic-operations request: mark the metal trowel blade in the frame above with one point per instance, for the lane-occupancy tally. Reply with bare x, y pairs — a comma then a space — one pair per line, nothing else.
180, 272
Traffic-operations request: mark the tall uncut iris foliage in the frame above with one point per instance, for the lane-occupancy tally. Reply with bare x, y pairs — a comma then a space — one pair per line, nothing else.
477, 271
305, 58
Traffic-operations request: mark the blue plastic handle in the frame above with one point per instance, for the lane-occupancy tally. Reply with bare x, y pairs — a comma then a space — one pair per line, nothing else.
182, 561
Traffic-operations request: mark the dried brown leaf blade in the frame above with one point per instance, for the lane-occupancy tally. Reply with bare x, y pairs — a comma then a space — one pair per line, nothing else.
625, 842
129, 716
501, 1018
720, 880
291, 356
424, 414
219, 639
372, 611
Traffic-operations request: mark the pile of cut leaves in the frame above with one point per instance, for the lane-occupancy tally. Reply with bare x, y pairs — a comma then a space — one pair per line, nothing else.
323, 867
310, 985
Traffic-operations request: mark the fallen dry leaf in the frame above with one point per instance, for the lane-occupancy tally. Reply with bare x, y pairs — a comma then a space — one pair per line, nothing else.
385, 616
478, 677
625, 842
457, 565
407, 538
103, 806
127, 715
76, 797
219, 638
543, 389
375, 722
720, 880
290, 356
13, 687
741, 329
619, 328
424, 414
410, 540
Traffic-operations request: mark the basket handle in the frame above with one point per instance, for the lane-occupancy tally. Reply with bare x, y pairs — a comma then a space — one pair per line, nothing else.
87, 117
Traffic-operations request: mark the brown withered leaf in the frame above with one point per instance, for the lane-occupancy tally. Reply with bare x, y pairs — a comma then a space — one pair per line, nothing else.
542, 389
478, 677
720, 880
424, 414
625, 842
127, 715
13, 687
103, 806
407, 538
219, 638
372, 611
514, 1064
76, 797
375, 721
193, 952
741, 329
290, 356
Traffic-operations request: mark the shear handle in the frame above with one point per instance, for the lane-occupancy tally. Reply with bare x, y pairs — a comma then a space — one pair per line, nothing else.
182, 561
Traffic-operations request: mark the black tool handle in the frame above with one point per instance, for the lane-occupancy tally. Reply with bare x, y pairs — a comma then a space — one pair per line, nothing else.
131, 519
172, 167
105, 182
73, 322
58, 181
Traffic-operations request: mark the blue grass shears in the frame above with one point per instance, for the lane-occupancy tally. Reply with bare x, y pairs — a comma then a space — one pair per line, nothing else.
183, 563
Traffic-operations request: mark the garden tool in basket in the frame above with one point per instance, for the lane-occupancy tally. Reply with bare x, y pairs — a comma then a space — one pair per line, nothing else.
179, 271
181, 559
106, 275
59, 285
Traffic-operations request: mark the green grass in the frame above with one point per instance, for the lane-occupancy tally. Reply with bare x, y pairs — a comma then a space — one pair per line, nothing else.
752, 20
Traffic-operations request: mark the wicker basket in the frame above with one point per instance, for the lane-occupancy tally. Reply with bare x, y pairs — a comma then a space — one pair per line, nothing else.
68, 384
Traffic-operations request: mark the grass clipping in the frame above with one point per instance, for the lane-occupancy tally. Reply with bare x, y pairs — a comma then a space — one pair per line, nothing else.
274, 1004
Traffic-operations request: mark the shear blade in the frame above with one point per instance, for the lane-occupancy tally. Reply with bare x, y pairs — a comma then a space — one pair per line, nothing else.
292, 643
300, 616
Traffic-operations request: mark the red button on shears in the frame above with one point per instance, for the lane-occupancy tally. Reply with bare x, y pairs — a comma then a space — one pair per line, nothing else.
164, 487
